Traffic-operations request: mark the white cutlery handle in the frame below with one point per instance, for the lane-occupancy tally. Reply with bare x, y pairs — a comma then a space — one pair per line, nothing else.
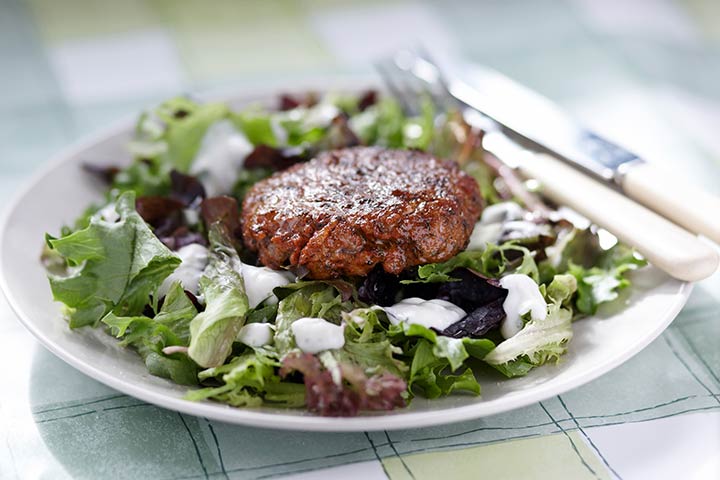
688, 206
665, 245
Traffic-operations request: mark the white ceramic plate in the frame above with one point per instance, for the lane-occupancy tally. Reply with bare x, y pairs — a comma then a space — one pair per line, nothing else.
59, 193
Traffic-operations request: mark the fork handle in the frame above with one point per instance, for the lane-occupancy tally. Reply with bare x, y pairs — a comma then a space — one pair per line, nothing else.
688, 206
664, 244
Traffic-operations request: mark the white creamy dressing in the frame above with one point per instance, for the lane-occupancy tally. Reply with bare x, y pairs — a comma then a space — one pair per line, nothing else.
523, 296
315, 335
522, 229
502, 212
437, 314
108, 213
321, 115
260, 282
192, 217
493, 222
278, 130
221, 154
194, 259
256, 334
355, 316
483, 234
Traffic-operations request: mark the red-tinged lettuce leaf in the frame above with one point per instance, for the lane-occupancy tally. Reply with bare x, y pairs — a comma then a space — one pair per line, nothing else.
367, 99
165, 212
471, 290
354, 392
181, 237
157, 210
274, 159
384, 289
478, 322
223, 210
339, 135
105, 174
480, 296
380, 288
185, 188
289, 102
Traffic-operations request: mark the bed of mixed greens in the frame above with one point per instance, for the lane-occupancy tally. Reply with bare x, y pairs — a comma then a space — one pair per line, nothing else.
116, 268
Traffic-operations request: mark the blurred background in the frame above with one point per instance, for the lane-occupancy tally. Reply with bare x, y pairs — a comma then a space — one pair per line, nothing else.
646, 72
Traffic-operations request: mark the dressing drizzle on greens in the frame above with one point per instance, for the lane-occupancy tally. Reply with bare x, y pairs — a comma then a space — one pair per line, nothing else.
117, 266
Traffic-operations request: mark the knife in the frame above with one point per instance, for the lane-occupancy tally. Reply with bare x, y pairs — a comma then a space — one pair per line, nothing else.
528, 117
666, 245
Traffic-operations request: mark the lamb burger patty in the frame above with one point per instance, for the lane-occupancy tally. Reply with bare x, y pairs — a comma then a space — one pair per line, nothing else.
347, 210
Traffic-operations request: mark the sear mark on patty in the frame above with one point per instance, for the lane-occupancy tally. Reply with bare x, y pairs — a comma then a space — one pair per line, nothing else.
348, 210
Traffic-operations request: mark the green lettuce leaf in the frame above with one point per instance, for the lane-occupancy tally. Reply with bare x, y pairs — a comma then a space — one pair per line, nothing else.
539, 341
491, 262
560, 290
300, 129
246, 179
250, 380
149, 336
436, 360
186, 123
308, 299
176, 313
113, 266
257, 126
418, 131
144, 177
602, 283
213, 331
367, 344
385, 124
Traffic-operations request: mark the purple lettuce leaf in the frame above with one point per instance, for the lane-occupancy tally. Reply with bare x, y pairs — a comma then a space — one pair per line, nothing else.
185, 188
354, 393
478, 322
275, 159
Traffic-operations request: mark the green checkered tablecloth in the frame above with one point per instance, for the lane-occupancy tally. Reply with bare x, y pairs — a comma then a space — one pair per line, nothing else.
646, 73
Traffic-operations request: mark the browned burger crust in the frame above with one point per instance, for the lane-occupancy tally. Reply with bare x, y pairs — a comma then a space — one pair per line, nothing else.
348, 210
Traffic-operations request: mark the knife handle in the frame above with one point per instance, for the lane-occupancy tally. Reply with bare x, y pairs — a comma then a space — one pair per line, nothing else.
670, 248
687, 205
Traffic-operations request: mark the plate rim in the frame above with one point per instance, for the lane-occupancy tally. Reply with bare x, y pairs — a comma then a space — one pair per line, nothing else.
281, 421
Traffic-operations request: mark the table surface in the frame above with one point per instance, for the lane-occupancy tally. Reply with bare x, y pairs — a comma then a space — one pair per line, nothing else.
646, 73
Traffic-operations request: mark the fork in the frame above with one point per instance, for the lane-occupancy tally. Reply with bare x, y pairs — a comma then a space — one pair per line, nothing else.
411, 76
